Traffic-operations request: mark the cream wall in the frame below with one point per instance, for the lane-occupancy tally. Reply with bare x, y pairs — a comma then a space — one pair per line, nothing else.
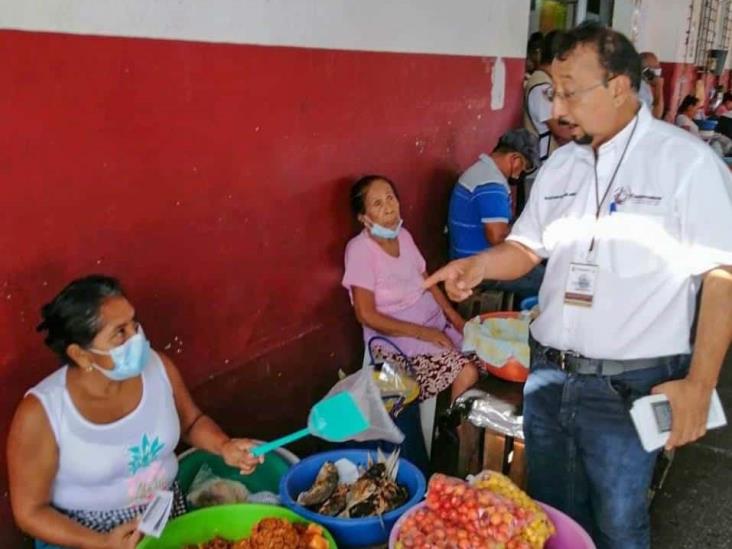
460, 27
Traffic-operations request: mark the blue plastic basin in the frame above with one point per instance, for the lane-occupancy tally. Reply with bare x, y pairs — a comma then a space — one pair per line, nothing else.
707, 125
356, 532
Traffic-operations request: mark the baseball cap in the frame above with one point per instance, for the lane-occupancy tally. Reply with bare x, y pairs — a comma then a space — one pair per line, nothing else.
524, 143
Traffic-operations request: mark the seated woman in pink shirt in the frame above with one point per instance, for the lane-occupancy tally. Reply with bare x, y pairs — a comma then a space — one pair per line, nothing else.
384, 276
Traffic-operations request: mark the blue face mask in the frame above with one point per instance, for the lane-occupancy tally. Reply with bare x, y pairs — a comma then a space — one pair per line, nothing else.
380, 231
129, 358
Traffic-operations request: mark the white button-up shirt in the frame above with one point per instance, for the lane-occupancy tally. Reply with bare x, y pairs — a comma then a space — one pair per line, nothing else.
666, 220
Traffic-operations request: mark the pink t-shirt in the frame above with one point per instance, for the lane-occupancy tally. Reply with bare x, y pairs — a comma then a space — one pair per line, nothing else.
395, 281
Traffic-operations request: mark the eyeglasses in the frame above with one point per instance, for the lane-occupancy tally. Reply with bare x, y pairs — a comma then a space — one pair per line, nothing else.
551, 94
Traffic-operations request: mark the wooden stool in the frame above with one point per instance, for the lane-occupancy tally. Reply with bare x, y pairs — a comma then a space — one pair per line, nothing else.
481, 449
486, 301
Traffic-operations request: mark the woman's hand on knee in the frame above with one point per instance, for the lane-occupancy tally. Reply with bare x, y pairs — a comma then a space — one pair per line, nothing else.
438, 337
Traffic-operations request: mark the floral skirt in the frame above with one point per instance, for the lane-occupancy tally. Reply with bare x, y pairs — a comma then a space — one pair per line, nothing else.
434, 372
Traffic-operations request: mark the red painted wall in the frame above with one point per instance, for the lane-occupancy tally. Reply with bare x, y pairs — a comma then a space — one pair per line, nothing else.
213, 180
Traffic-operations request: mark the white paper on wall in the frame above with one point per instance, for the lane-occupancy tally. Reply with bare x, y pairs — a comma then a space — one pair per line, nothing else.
498, 84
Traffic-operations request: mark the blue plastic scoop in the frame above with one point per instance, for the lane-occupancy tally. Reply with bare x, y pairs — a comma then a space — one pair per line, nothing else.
336, 418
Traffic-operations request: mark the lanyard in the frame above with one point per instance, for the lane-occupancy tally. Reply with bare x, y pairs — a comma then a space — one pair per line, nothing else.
600, 201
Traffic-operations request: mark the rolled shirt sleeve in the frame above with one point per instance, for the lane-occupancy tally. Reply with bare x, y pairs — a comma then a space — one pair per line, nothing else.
704, 206
528, 229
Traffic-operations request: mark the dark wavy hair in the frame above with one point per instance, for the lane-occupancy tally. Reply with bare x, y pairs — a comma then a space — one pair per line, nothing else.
550, 46
73, 315
688, 101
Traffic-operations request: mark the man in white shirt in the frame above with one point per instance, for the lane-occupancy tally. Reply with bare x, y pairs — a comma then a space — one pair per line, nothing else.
538, 118
632, 216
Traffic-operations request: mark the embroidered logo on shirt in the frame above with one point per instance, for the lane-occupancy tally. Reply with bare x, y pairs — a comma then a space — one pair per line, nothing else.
625, 194
558, 196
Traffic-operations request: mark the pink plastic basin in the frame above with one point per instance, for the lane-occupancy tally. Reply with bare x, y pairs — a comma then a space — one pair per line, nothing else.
569, 534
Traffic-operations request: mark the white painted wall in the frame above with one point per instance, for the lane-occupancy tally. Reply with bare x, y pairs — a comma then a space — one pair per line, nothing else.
460, 27
622, 16
663, 29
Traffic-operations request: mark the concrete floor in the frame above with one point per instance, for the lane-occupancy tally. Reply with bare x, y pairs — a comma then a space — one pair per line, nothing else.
694, 506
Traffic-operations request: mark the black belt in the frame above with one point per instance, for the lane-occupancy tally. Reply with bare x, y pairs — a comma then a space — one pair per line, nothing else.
575, 363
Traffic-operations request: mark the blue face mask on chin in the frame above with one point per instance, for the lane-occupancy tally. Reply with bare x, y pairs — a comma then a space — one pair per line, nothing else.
380, 231
129, 358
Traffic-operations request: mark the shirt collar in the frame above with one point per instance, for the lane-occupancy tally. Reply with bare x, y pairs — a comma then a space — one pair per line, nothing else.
486, 158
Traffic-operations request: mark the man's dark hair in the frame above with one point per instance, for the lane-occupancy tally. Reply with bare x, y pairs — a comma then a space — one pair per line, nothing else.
536, 41
727, 97
616, 53
549, 46
73, 315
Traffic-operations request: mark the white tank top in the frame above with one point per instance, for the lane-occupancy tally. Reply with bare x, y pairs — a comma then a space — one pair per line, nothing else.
105, 467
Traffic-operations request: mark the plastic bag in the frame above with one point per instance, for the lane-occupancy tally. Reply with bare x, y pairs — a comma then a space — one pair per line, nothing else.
497, 340
487, 512
493, 517
487, 411
207, 489
538, 527
397, 384
366, 394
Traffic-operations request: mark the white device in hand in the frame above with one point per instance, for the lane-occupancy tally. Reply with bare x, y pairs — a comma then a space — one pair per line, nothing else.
652, 418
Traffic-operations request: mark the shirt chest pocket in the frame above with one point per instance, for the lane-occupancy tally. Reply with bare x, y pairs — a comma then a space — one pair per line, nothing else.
635, 242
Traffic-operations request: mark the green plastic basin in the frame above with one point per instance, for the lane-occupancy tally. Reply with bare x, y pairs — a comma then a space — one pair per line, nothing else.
232, 522
265, 477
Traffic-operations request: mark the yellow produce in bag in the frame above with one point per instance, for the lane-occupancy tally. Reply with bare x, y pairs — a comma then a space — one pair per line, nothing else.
397, 384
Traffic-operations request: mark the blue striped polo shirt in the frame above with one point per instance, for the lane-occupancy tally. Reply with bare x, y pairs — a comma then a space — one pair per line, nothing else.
480, 196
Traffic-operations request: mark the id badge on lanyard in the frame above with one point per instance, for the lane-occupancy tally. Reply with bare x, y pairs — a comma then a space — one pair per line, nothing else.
581, 284
582, 276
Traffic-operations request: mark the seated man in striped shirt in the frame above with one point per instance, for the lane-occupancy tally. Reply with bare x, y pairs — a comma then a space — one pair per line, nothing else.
480, 207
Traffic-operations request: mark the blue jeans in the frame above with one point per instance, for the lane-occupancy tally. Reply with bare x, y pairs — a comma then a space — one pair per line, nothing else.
584, 456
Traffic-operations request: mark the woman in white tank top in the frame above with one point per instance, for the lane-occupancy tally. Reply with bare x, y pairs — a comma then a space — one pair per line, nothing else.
91, 444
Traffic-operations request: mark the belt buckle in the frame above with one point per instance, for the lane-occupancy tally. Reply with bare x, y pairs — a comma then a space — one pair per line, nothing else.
563, 355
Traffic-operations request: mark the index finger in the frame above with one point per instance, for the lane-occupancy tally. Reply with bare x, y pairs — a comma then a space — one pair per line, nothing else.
441, 275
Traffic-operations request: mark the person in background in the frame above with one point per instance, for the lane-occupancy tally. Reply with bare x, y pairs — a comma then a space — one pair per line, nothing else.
91, 444
630, 237
725, 106
533, 52
538, 109
687, 112
384, 273
480, 211
651, 87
